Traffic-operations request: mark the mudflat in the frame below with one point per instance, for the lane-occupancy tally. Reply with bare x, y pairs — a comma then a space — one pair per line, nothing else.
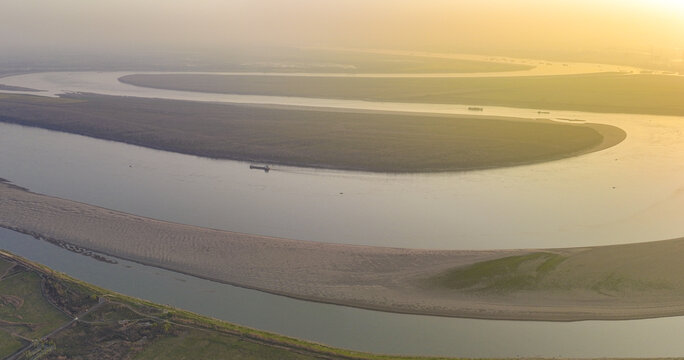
612, 282
318, 138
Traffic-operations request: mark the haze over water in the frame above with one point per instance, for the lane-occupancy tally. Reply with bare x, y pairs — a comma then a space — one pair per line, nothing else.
635, 31
631, 192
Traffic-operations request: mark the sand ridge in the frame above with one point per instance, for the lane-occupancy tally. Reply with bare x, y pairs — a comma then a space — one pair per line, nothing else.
613, 282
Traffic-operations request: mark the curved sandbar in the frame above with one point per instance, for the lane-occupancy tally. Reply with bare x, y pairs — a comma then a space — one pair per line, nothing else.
378, 141
600, 93
612, 282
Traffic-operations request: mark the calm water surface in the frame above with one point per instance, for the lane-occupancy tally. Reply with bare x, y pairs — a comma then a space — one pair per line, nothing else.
631, 192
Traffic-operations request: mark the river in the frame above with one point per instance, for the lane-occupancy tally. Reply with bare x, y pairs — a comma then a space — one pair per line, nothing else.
629, 193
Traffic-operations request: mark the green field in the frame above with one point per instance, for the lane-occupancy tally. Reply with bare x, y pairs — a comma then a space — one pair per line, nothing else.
367, 141
194, 344
22, 303
9, 344
24, 313
615, 93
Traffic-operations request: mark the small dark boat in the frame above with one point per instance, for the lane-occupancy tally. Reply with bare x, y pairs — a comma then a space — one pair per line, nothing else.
475, 108
543, 112
265, 168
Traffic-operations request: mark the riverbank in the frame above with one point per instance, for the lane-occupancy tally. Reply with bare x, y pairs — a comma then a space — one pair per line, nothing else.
65, 317
185, 334
612, 282
374, 141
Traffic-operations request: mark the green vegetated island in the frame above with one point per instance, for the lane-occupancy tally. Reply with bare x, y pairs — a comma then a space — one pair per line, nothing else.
607, 92
609, 282
319, 138
48, 315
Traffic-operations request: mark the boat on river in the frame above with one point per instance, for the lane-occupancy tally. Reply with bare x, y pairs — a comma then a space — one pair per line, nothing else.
265, 168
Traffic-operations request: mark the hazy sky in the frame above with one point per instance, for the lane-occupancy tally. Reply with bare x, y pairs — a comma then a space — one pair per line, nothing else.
406, 24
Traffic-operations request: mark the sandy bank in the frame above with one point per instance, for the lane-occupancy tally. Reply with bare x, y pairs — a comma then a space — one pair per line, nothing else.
613, 282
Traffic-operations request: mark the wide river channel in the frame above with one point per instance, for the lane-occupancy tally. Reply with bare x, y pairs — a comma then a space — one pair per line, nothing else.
629, 193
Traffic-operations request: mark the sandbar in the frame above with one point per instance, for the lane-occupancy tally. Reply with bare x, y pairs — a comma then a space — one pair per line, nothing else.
611, 282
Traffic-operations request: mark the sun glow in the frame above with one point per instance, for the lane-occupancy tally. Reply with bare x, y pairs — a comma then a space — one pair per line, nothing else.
668, 8
434, 25
668, 5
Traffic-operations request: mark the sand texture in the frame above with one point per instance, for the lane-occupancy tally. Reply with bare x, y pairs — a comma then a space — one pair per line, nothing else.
612, 282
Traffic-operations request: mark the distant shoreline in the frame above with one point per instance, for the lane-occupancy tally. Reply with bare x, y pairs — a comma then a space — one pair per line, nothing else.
611, 282
609, 92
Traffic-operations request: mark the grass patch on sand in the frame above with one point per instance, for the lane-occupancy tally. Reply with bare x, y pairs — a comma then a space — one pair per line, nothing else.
21, 302
523, 272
